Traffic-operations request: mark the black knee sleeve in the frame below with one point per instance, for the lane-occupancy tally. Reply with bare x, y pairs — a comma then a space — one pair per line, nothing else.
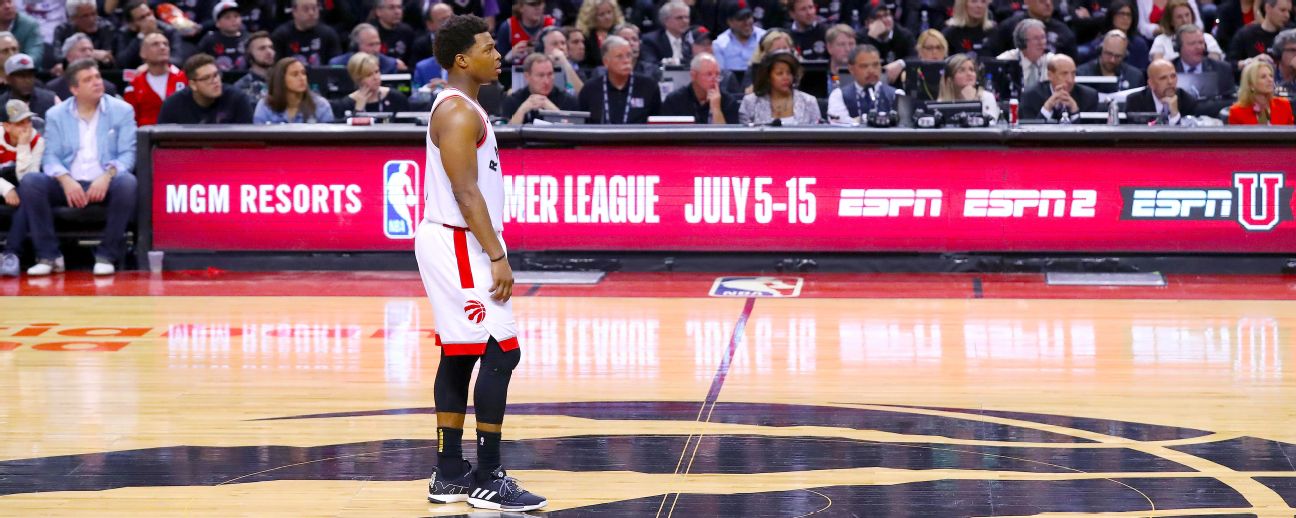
450, 390
491, 392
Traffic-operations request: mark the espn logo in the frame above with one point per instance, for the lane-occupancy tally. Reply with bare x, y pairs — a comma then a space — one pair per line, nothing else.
1014, 203
1259, 201
887, 203
401, 197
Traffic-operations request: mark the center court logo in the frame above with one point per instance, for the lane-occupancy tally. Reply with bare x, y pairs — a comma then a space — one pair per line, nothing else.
1258, 201
401, 182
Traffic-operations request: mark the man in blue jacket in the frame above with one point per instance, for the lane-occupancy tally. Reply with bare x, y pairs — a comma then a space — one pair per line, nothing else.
89, 157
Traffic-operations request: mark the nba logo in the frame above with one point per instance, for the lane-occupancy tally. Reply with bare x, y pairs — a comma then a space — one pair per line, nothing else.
776, 287
400, 199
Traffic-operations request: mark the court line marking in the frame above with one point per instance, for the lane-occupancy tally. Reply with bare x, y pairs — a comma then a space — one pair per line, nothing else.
713, 394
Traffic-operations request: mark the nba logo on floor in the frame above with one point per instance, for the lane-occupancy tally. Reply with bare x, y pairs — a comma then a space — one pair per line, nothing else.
400, 199
756, 287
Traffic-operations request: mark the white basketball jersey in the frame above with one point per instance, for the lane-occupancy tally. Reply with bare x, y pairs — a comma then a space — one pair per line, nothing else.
440, 205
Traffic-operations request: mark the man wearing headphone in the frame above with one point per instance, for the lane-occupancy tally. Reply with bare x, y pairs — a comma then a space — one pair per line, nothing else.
1255, 40
552, 42
1111, 62
1031, 41
1190, 44
365, 38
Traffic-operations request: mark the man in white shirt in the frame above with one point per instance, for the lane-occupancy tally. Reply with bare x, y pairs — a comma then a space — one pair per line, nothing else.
670, 45
1032, 51
866, 94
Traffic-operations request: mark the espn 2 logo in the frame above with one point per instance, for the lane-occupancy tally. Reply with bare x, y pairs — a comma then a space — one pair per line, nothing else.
401, 182
1258, 201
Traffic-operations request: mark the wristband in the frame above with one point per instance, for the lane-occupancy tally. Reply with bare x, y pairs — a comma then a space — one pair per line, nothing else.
498, 258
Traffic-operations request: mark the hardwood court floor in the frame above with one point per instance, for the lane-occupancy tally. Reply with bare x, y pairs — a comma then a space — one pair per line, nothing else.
185, 395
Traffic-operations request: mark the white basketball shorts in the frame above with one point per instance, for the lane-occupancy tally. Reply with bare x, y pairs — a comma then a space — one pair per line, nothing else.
457, 276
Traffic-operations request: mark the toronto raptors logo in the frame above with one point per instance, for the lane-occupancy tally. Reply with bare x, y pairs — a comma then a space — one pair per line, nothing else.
476, 311
1258, 199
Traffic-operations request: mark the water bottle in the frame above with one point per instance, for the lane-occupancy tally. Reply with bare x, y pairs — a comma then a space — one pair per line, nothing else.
1113, 113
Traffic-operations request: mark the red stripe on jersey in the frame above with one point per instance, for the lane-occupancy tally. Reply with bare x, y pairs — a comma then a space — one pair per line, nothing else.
461, 256
477, 349
485, 129
509, 344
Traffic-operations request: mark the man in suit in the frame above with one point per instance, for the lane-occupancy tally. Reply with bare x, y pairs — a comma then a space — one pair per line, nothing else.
1163, 97
671, 45
1191, 44
1111, 63
1059, 99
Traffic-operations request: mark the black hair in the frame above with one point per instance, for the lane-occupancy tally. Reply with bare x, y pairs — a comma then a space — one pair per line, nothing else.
457, 36
76, 67
762, 84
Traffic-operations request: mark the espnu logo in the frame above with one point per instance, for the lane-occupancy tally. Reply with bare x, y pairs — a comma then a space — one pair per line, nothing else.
401, 182
1259, 201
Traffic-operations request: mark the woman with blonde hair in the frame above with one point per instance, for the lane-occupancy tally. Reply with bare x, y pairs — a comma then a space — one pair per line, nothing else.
774, 40
596, 20
1177, 14
971, 24
959, 83
370, 95
1257, 104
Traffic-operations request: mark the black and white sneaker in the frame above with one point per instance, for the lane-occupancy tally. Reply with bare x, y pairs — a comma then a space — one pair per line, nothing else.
502, 493
454, 490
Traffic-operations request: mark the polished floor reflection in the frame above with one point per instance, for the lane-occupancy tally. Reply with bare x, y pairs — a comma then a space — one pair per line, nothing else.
951, 406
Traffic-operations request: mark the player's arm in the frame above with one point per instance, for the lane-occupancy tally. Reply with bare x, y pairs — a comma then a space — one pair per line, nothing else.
457, 128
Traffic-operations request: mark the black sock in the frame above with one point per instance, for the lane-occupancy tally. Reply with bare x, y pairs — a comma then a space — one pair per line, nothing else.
450, 462
488, 454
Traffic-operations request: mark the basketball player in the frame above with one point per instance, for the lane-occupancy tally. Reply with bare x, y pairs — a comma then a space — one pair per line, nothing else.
464, 266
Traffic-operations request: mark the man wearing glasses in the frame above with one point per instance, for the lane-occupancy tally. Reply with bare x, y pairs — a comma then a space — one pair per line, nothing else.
1285, 48
206, 101
1111, 63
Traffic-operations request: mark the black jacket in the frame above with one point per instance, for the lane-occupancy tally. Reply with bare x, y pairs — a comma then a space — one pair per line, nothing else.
1129, 76
1033, 101
1141, 102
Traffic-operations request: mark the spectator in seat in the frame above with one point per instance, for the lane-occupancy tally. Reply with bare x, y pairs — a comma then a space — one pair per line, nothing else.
364, 38
76, 48
1254, 41
1193, 59
1119, 16
305, 38
734, 47
370, 95
21, 71
1179, 13
289, 98
1032, 52
161, 79
553, 43
140, 23
596, 20
1285, 48
972, 22
702, 97
514, 38
1257, 104
8, 48
1058, 38
21, 149
866, 94
436, 16
1111, 63
841, 41
893, 41
1163, 97
89, 156
83, 17
672, 44
773, 100
808, 35
24, 28
227, 43
576, 51
260, 57
960, 84
1059, 99
397, 37
539, 94
620, 96
630, 33
206, 101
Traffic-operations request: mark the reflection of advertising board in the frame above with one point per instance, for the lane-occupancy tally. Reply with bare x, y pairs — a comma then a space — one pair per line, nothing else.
745, 199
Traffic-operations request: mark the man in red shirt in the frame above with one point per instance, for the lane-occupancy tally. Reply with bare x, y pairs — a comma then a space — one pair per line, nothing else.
159, 80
